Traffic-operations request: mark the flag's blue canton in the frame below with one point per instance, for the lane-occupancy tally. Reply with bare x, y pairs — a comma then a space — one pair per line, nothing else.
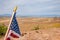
14, 25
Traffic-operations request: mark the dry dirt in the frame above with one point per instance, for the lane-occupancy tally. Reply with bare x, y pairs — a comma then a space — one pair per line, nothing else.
50, 34
49, 28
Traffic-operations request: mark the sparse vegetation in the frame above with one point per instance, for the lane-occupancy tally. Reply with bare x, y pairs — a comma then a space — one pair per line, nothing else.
3, 29
36, 27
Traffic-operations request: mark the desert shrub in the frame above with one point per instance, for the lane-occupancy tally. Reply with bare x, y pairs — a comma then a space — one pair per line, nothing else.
36, 27
3, 29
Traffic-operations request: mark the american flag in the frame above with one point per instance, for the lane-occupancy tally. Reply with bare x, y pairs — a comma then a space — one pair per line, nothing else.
14, 29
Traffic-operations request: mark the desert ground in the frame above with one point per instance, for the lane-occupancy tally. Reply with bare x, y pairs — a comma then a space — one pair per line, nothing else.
47, 28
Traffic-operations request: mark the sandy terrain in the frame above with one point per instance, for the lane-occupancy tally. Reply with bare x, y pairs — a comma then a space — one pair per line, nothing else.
42, 35
50, 34
49, 28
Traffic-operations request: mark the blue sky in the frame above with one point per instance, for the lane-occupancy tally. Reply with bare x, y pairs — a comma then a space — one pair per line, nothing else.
31, 7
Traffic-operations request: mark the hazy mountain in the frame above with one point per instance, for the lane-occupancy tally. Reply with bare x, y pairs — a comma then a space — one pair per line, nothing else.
9, 15
5, 15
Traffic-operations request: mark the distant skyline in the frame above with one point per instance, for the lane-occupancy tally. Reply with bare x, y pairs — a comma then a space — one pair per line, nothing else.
30, 7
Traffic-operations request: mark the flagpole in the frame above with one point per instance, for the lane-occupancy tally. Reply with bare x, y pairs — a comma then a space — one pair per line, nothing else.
10, 21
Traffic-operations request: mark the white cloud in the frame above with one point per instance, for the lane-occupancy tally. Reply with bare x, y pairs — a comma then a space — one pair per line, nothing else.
12, 3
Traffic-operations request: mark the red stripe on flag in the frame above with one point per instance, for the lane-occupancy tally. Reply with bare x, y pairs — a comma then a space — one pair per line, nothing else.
8, 38
13, 35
